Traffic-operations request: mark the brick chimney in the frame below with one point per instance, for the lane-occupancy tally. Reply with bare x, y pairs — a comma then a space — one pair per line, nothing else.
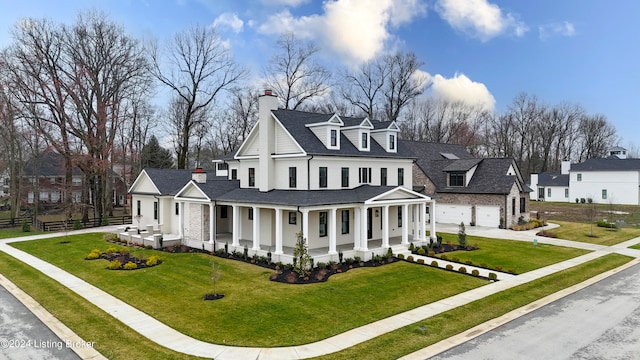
266, 126
198, 175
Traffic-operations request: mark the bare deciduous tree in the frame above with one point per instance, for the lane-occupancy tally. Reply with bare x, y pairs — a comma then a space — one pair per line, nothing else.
363, 87
200, 67
293, 75
403, 84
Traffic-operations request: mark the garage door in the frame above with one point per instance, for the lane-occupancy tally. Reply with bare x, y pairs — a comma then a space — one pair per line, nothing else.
453, 214
487, 215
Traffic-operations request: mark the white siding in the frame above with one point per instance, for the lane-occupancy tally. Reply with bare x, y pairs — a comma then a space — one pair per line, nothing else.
335, 164
284, 143
251, 146
621, 186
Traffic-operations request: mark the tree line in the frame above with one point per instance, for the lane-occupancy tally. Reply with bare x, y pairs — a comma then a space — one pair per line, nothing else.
85, 90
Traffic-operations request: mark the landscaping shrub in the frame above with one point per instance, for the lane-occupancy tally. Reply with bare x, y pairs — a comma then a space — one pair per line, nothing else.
400, 256
410, 258
462, 236
606, 224
149, 247
130, 266
26, 227
153, 260
115, 265
77, 225
420, 261
431, 253
443, 257
449, 267
511, 271
455, 259
498, 268
469, 262
475, 272
434, 263
111, 250
462, 270
93, 255
493, 276
124, 251
484, 265
421, 251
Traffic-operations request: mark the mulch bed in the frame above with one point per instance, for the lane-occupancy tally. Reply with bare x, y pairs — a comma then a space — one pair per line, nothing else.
125, 258
321, 275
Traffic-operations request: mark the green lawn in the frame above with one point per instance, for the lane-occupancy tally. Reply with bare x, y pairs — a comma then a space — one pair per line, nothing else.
16, 232
255, 311
637, 247
410, 338
519, 256
602, 236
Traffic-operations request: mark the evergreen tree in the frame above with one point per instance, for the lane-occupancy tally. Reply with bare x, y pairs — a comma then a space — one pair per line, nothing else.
155, 156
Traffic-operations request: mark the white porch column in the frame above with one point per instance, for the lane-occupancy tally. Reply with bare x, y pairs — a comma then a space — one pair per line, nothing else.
385, 226
235, 225
278, 231
432, 218
256, 228
423, 228
212, 225
364, 244
332, 231
405, 224
415, 209
181, 220
305, 225
357, 228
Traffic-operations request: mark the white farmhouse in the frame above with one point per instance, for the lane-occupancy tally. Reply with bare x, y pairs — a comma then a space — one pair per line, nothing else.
344, 183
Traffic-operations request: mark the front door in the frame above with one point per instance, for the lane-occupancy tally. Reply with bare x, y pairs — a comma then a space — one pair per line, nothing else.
369, 224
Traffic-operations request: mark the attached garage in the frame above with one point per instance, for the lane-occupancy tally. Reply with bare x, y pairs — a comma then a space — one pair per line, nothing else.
488, 215
453, 214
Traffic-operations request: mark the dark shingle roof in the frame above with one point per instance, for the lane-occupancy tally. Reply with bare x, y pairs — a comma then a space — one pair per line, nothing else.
490, 176
169, 181
305, 198
553, 179
609, 164
295, 121
50, 163
461, 165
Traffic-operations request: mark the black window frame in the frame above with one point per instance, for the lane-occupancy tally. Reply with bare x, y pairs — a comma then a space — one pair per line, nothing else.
400, 176
400, 216
344, 217
365, 140
333, 135
177, 208
392, 142
250, 214
234, 174
293, 218
459, 179
364, 175
138, 211
156, 210
293, 177
523, 205
322, 223
252, 177
345, 177
383, 176
323, 174
224, 212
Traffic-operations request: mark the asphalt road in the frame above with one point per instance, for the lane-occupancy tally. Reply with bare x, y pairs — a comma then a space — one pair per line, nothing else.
601, 321
24, 337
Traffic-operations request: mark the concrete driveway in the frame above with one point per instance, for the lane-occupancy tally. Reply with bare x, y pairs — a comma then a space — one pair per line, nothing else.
601, 321
23, 336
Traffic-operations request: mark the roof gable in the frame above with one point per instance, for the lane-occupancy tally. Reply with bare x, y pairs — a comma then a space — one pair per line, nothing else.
398, 193
191, 191
609, 164
251, 145
144, 184
165, 181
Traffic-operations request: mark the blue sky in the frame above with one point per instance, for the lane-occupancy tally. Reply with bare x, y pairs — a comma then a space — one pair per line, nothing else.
485, 51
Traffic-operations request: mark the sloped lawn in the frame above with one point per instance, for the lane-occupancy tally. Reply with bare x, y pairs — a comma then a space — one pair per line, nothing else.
254, 311
520, 256
601, 236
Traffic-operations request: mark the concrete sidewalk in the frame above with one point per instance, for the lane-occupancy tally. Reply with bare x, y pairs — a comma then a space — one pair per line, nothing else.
170, 338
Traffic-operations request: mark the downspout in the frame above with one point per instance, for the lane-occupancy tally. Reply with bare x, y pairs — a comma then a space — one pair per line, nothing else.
308, 174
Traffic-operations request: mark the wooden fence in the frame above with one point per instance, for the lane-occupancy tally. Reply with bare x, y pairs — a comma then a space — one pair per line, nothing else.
15, 222
79, 224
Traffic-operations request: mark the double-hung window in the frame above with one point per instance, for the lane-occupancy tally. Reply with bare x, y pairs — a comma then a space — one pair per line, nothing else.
383, 177
323, 177
252, 177
345, 177
345, 221
292, 177
322, 226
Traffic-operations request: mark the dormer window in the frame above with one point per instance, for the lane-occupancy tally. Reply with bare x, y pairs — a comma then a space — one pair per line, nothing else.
392, 142
334, 137
456, 179
365, 140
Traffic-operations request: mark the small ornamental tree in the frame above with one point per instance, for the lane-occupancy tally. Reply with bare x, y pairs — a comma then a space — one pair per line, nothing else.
462, 236
216, 274
301, 254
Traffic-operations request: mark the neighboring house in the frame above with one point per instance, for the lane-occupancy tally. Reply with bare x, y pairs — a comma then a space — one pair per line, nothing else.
550, 186
4, 184
44, 180
479, 191
45, 176
344, 183
611, 180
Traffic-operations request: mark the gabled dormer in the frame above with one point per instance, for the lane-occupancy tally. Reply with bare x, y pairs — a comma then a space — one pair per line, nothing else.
460, 172
358, 131
328, 132
386, 133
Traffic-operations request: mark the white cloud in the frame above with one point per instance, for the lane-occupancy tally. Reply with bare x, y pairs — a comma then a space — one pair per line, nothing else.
564, 28
479, 18
229, 20
355, 29
461, 88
